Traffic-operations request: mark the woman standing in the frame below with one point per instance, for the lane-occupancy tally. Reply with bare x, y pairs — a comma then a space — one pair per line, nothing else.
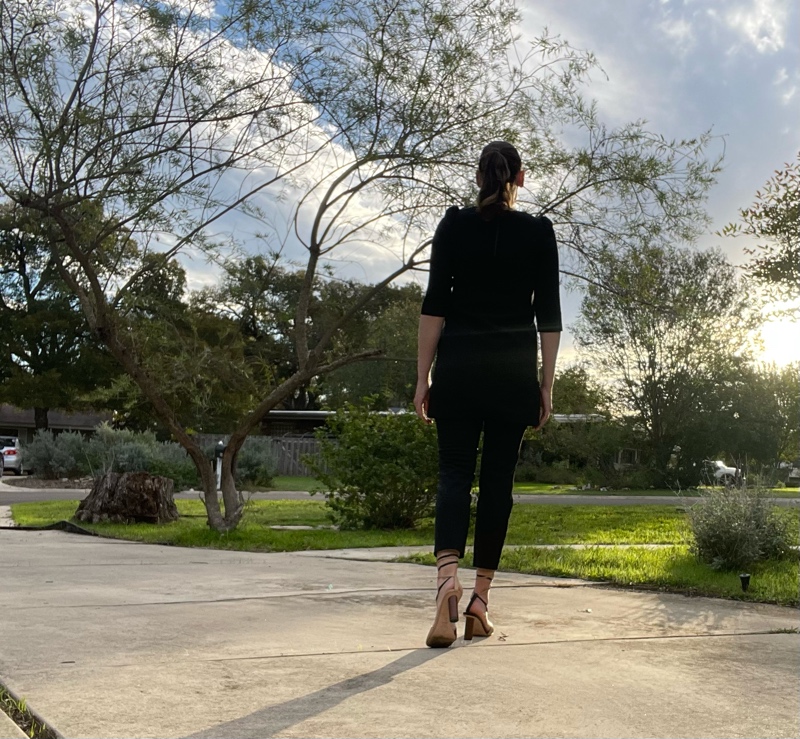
493, 284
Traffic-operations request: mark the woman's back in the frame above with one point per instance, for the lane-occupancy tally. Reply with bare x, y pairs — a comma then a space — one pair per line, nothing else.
500, 272
495, 282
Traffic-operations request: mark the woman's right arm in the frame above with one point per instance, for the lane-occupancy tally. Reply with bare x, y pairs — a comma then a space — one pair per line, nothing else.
549, 341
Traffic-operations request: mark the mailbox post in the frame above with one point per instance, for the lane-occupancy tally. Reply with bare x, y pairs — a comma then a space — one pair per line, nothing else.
218, 452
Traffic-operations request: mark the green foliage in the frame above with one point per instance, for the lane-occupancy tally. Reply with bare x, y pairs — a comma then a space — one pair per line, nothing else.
71, 454
256, 464
774, 219
260, 296
734, 527
672, 327
119, 450
47, 353
577, 391
20, 714
380, 470
170, 460
52, 457
134, 107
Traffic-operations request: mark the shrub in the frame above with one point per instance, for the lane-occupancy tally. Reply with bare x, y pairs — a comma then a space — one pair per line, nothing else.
255, 463
70, 454
170, 460
120, 450
381, 471
734, 527
557, 473
54, 456
131, 456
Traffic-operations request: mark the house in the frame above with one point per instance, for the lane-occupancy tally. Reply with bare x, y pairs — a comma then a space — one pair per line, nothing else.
20, 423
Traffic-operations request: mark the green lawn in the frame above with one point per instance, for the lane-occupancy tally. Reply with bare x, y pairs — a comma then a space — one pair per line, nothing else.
672, 568
543, 488
540, 524
526, 488
285, 482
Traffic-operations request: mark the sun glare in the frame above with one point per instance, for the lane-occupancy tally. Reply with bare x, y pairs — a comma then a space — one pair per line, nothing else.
781, 339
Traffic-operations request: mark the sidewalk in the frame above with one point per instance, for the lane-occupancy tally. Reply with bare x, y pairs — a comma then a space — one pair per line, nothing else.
117, 639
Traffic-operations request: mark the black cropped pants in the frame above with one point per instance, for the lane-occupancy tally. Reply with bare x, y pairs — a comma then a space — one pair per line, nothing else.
458, 453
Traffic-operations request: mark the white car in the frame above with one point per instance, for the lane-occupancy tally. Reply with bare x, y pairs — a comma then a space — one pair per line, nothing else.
12, 454
722, 474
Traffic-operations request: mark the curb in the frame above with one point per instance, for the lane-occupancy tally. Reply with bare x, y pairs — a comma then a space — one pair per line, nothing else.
36, 715
67, 526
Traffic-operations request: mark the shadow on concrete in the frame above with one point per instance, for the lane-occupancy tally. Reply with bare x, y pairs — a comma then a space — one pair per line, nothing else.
279, 717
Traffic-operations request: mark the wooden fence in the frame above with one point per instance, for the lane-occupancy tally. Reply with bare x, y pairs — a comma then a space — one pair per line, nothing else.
289, 451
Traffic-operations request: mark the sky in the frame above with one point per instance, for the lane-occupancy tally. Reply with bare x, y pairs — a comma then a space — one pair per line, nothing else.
686, 66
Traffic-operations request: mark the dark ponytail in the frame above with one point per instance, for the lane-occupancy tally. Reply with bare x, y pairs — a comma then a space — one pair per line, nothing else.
499, 166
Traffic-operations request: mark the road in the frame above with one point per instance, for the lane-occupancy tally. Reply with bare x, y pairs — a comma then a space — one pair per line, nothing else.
11, 494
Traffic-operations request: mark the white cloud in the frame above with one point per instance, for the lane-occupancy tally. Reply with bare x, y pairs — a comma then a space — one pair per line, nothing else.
679, 32
763, 23
786, 84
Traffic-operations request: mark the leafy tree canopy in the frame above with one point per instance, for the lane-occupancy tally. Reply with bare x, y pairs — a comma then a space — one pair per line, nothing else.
673, 328
774, 219
364, 117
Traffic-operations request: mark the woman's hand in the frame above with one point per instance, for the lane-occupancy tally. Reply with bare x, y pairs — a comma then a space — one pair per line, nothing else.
421, 398
545, 406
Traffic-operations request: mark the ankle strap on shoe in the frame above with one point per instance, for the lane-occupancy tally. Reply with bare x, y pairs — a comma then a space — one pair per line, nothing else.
475, 597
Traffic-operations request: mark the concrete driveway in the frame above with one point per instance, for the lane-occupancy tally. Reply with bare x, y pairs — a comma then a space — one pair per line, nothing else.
117, 639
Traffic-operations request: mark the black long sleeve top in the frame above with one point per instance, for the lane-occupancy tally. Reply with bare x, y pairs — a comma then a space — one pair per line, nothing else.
496, 284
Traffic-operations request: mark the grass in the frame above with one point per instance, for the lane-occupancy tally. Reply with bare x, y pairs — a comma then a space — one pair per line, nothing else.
285, 482
543, 488
672, 569
20, 714
540, 524
557, 524
252, 534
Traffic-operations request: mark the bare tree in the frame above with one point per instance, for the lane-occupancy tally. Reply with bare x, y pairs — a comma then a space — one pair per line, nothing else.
168, 117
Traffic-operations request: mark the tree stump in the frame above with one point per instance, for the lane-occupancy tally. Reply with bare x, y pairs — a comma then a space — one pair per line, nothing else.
132, 497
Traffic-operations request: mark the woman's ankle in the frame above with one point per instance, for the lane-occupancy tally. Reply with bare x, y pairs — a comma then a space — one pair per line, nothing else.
483, 581
446, 563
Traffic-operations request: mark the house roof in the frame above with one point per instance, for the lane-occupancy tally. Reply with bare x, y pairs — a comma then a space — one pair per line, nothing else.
11, 416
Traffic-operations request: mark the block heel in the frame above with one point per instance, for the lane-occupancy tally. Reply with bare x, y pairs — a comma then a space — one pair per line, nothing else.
477, 624
443, 632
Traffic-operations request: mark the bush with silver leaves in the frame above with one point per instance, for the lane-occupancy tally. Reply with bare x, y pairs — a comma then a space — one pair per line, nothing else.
734, 527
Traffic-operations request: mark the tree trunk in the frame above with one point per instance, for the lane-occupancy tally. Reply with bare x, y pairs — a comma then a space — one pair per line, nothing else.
132, 497
40, 418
